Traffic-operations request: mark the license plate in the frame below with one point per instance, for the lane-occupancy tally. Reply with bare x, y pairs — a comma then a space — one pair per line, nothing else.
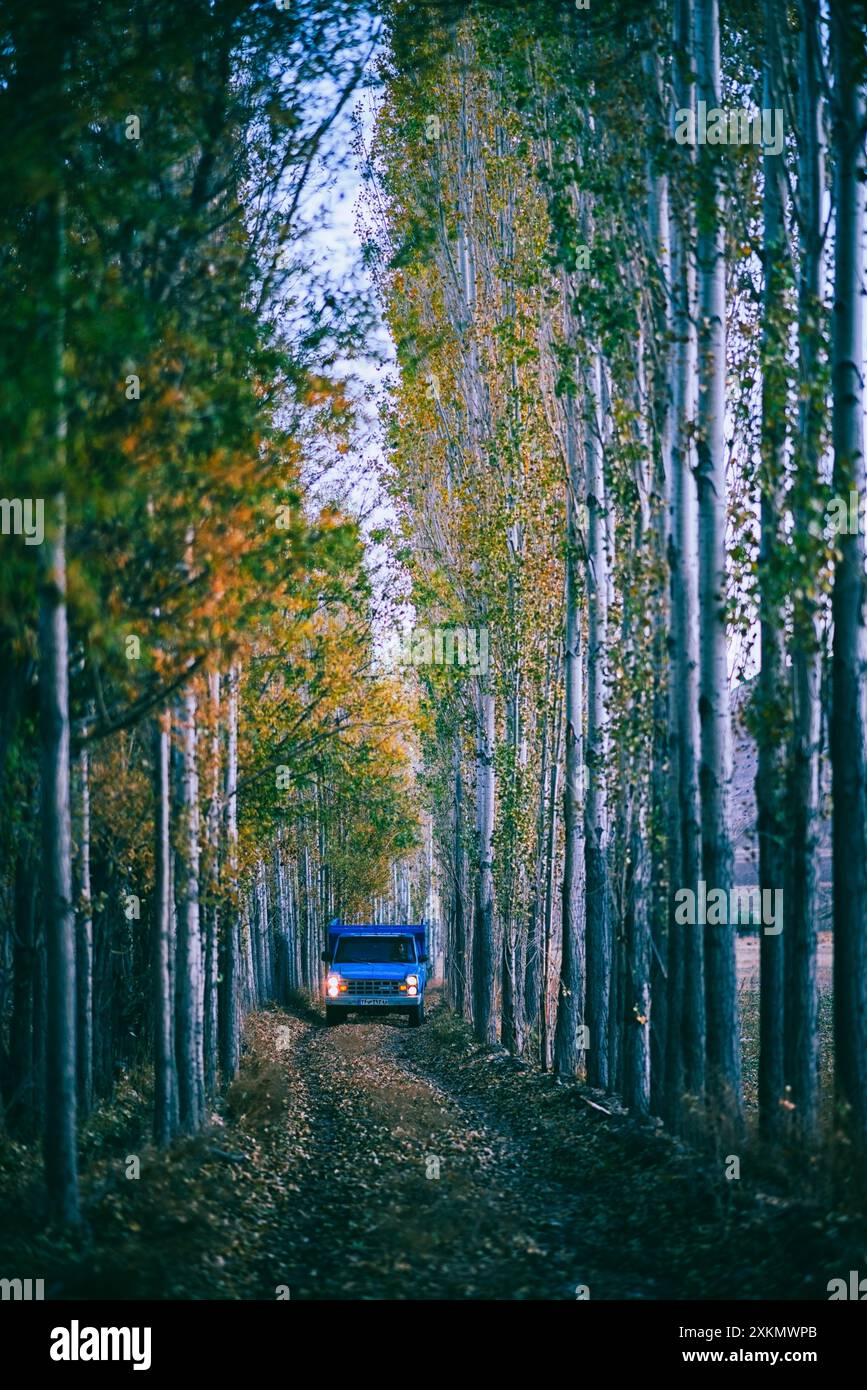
366, 1002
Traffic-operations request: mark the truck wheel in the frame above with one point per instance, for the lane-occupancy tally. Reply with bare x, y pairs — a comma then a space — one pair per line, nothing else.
333, 1016
416, 1016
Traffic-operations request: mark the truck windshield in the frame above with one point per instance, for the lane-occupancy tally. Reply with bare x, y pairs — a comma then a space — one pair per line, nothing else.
374, 950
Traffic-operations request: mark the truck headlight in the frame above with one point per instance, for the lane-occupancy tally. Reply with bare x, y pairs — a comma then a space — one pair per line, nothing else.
332, 986
412, 979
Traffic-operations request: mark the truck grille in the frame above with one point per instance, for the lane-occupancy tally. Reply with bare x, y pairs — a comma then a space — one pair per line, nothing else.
372, 987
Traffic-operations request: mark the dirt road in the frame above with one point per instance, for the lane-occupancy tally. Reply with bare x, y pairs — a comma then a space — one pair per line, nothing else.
374, 1161
407, 1191
419, 1164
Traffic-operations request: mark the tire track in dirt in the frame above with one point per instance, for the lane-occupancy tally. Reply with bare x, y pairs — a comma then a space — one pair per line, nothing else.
371, 1218
657, 1218
537, 1192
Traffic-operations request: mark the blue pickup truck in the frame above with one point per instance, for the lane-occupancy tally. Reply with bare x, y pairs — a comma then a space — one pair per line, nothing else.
373, 967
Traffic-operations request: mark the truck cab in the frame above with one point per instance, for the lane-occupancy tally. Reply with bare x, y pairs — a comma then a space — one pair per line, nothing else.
375, 967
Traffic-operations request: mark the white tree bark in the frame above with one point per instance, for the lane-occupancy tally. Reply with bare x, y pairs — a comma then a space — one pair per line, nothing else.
598, 935
230, 947
568, 1054
60, 1145
723, 1029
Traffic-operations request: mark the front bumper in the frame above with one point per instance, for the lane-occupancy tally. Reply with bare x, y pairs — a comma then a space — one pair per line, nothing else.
368, 1001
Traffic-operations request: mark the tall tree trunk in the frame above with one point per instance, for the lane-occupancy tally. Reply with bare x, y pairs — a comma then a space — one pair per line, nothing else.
60, 1121
598, 935
532, 971
189, 992
548, 914
230, 1047
212, 911
266, 988
310, 932
663, 795
772, 714
458, 963
281, 954
60, 1146
568, 1049
484, 1016
802, 1033
84, 944
634, 1012
849, 718
256, 939
723, 1029
165, 1077
685, 1050
512, 930
637, 1004
297, 920
250, 993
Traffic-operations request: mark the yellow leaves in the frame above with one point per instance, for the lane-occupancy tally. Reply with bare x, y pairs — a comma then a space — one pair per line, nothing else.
330, 519
326, 391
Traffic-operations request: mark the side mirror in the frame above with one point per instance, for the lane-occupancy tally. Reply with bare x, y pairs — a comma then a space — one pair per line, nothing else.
423, 960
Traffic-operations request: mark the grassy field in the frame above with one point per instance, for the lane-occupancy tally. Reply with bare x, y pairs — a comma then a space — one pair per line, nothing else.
748, 991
